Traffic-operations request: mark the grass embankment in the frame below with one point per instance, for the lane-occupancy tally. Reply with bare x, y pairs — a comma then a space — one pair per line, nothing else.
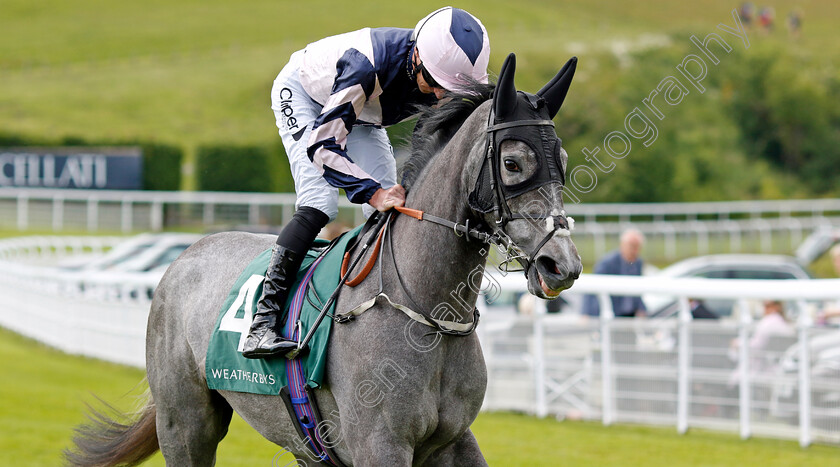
191, 72
43, 394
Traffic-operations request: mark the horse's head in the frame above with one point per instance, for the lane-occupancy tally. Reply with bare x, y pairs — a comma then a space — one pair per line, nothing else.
519, 187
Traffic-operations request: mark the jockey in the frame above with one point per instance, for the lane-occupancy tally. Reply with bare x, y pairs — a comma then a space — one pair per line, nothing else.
331, 102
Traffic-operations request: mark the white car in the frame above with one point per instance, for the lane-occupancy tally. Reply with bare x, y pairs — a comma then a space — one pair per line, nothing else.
731, 266
132, 268
143, 253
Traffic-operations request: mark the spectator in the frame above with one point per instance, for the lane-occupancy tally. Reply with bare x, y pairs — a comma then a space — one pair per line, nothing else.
624, 262
700, 311
746, 13
766, 16
772, 324
794, 23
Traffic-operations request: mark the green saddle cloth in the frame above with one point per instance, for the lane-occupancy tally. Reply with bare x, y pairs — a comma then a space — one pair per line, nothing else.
227, 369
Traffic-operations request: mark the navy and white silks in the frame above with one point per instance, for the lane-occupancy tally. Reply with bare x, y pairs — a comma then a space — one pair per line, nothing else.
331, 102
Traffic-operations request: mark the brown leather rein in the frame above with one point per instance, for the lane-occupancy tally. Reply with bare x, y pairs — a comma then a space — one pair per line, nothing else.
459, 229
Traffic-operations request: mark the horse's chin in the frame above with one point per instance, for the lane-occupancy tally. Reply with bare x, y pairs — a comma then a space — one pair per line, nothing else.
538, 287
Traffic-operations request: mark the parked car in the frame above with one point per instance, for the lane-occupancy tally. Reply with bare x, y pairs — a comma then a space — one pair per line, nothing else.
141, 258
825, 374
502, 295
820, 241
143, 253
732, 266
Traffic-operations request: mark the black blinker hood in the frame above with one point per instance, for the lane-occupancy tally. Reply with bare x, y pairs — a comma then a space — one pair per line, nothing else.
525, 117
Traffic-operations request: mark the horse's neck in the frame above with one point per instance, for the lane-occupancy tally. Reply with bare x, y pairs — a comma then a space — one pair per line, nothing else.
437, 267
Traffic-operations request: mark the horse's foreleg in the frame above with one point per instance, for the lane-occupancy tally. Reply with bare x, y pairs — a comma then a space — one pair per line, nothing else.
379, 449
464, 451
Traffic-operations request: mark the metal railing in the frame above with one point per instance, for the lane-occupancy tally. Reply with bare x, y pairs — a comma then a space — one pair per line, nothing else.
675, 229
678, 371
96, 314
128, 211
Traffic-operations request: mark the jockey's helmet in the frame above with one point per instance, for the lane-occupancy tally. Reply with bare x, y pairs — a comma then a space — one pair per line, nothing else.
454, 47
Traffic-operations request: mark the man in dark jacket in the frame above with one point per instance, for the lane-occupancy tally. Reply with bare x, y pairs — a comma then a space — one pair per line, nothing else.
625, 262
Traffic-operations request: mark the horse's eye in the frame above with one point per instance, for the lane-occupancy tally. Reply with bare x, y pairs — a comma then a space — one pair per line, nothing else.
512, 166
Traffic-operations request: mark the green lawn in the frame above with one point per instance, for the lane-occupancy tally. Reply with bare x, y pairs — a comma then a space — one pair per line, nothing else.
43, 394
195, 71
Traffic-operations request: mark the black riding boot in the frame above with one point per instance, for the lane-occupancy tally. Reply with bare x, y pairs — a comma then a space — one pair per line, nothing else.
265, 338
266, 335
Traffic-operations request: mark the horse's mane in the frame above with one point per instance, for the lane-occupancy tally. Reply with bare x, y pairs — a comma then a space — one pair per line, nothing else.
437, 125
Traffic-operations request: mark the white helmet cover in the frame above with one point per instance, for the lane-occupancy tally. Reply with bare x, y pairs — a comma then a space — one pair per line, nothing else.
454, 47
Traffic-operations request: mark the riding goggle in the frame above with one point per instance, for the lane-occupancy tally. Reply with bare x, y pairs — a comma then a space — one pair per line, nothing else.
428, 77
420, 68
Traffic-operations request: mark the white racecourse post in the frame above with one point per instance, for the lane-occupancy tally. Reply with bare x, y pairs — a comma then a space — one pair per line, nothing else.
539, 357
23, 212
126, 216
607, 388
804, 324
58, 213
157, 216
684, 365
744, 393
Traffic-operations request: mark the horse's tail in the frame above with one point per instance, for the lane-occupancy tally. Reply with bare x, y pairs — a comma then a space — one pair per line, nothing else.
106, 440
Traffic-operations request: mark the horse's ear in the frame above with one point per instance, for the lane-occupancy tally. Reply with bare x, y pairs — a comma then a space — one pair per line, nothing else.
504, 99
555, 91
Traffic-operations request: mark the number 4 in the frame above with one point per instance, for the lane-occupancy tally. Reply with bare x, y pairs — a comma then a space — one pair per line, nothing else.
245, 301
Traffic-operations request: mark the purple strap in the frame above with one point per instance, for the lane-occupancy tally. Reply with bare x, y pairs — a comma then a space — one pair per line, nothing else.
296, 377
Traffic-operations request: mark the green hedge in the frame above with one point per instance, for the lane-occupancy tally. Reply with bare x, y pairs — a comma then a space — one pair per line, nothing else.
233, 168
243, 168
162, 167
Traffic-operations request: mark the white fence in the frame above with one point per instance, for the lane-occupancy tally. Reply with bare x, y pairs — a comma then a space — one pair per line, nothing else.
101, 315
127, 211
735, 226
678, 371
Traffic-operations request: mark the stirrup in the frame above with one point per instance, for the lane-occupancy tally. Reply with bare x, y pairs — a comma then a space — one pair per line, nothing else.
298, 350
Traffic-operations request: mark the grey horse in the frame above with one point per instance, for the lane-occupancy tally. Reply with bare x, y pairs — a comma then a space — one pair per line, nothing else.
397, 392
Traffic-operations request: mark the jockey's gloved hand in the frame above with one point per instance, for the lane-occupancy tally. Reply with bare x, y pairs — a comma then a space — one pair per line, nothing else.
386, 198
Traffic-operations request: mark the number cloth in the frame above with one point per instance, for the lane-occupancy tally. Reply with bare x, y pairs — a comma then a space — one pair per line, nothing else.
226, 368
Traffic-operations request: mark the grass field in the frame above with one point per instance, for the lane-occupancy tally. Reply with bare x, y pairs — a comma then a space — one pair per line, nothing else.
43, 394
195, 71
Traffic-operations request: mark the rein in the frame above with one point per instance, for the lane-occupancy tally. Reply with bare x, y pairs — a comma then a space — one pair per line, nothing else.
442, 326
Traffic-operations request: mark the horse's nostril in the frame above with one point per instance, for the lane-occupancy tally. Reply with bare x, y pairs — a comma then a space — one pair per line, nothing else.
550, 267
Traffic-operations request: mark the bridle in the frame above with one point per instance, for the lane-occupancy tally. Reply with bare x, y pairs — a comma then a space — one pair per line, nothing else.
502, 214
501, 210
495, 235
